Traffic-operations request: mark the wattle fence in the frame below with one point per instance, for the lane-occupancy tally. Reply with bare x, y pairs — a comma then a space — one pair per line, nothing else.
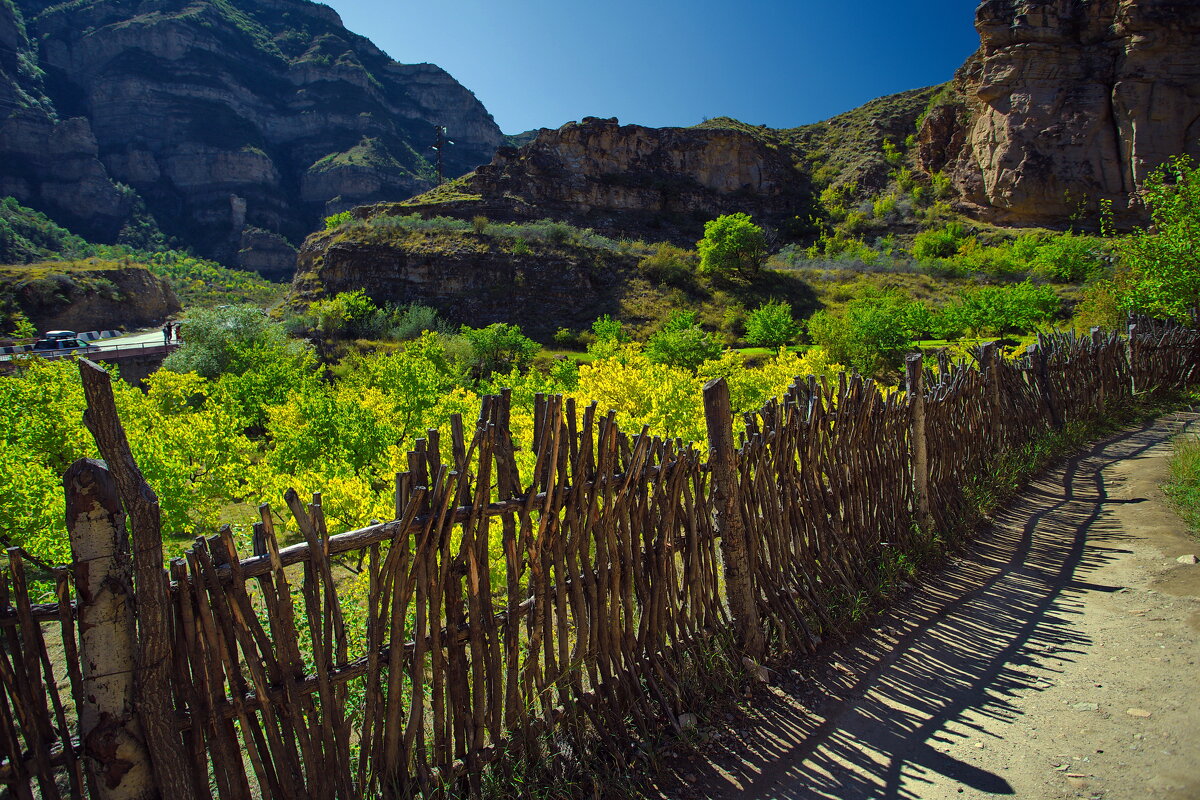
505, 618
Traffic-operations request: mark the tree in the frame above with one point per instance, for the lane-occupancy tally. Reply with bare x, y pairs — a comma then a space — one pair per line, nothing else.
499, 348
870, 335
772, 325
733, 247
231, 339
1162, 264
682, 343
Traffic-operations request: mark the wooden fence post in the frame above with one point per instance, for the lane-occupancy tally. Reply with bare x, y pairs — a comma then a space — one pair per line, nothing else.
117, 762
914, 383
1041, 375
1130, 355
1101, 381
718, 416
989, 365
153, 686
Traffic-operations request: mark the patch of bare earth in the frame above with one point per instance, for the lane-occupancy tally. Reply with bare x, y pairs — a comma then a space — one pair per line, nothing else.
1057, 657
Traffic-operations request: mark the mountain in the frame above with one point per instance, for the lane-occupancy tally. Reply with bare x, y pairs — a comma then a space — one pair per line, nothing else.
1065, 105
231, 125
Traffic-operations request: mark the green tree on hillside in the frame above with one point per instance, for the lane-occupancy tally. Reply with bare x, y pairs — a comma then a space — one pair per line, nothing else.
232, 339
772, 325
733, 247
682, 343
1162, 263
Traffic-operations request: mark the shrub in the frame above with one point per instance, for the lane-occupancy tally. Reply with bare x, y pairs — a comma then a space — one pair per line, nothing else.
231, 340
669, 265
499, 347
1067, 258
771, 325
479, 223
565, 337
938, 243
870, 335
681, 343
349, 315
337, 220
412, 320
733, 247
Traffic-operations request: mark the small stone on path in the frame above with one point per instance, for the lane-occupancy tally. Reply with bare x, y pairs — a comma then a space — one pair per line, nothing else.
1085, 707
1137, 712
1188, 559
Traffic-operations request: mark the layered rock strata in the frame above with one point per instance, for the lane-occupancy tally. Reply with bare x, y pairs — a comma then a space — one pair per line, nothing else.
1067, 104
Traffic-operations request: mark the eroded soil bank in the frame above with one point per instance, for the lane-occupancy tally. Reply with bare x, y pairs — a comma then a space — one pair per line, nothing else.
1056, 658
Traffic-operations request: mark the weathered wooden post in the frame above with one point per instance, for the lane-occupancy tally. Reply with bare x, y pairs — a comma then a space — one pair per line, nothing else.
914, 384
153, 689
989, 365
1131, 357
718, 416
1041, 375
1101, 382
116, 758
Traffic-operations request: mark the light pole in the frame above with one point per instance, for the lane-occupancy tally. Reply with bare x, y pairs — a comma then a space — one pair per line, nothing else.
440, 143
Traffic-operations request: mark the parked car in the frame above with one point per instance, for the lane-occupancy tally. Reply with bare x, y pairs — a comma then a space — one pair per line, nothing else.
61, 342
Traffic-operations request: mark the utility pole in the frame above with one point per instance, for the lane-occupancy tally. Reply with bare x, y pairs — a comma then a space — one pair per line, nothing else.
440, 144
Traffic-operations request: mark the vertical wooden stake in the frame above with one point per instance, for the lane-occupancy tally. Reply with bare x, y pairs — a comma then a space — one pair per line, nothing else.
117, 760
1041, 374
1102, 387
154, 691
1131, 356
914, 382
718, 416
989, 364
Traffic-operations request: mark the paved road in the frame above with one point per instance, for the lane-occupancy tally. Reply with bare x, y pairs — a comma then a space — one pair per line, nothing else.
1056, 659
148, 336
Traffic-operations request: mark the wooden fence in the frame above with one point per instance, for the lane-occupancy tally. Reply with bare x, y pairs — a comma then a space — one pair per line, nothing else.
502, 619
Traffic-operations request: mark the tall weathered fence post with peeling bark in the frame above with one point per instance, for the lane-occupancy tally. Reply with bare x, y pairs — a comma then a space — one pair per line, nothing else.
116, 758
153, 687
727, 518
914, 382
514, 611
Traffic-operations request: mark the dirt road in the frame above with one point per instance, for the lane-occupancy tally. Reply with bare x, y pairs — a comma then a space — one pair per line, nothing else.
1058, 658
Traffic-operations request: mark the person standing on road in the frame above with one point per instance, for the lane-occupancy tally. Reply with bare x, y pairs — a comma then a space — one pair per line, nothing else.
167, 333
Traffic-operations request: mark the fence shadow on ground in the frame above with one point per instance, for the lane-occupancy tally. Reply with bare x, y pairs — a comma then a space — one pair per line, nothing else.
986, 630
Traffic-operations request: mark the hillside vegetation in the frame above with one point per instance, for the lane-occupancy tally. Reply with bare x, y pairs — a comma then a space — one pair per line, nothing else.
28, 237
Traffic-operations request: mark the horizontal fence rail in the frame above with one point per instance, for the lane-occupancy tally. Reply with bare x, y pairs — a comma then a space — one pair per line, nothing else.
506, 618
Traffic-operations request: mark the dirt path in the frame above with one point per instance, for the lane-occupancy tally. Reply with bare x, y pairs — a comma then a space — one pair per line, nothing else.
1058, 658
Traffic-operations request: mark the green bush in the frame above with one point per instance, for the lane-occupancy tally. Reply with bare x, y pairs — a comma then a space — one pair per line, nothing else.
870, 335
682, 343
232, 340
410, 321
500, 347
938, 243
1067, 258
733, 248
337, 220
670, 265
772, 325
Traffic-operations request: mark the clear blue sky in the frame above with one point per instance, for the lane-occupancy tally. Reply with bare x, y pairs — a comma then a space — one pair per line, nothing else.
538, 63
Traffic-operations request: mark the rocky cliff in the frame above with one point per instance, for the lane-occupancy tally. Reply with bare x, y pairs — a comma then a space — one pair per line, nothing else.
86, 295
468, 277
1068, 103
628, 180
223, 115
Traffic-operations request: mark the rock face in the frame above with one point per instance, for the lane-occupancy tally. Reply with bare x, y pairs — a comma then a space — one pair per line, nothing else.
221, 115
663, 183
1068, 103
469, 278
58, 296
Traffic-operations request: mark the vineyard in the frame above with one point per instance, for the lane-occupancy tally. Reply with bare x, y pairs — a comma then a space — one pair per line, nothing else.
632, 573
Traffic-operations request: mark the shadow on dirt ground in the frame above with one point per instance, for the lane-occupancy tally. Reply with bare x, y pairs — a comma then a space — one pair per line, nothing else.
989, 681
